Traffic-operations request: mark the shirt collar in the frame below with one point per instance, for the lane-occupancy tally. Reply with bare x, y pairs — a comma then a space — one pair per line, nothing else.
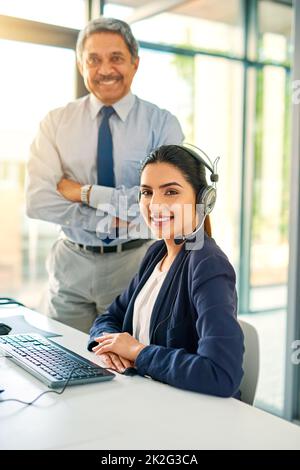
121, 107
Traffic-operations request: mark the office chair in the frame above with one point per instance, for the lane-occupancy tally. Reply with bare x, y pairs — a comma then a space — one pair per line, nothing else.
250, 363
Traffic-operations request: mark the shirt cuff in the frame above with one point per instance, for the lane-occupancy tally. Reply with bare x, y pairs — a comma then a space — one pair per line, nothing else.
100, 195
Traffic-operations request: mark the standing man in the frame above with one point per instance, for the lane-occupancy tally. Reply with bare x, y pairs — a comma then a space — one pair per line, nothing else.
85, 156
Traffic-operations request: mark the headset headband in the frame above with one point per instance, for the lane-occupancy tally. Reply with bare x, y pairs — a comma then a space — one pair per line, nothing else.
214, 177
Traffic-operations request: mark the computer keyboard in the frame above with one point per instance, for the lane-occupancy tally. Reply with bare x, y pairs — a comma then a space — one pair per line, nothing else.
50, 362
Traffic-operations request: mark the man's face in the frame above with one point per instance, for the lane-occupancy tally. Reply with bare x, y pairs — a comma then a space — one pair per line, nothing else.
107, 67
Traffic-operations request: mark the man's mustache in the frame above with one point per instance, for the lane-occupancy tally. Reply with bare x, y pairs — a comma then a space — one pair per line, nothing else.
108, 78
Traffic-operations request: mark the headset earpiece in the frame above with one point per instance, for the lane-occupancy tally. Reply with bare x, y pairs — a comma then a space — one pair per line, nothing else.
207, 197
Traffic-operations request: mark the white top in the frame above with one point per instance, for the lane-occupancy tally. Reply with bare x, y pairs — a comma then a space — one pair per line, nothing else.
144, 304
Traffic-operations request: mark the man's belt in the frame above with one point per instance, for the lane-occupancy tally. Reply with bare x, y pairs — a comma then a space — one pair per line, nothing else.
110, 249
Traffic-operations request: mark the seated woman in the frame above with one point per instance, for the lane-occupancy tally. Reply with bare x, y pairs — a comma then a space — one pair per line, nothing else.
176, 322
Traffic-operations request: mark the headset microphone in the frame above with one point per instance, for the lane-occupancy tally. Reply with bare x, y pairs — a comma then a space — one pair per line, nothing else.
191, 235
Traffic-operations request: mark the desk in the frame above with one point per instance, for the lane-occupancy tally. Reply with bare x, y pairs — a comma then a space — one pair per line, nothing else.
127, 412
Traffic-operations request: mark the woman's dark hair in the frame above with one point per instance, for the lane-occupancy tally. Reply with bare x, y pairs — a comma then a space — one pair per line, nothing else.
191, 168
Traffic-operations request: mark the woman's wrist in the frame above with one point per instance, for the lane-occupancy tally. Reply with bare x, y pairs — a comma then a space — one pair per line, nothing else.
139, 348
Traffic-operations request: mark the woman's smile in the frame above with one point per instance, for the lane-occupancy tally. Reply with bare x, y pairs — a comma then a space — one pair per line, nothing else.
160, 220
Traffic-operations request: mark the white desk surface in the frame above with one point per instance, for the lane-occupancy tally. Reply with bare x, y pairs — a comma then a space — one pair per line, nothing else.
127, 412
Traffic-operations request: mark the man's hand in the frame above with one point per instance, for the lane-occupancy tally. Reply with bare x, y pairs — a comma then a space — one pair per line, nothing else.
120, 223
70, 190
122, 344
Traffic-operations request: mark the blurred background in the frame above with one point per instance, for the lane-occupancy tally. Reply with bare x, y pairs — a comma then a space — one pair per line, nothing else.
223, 67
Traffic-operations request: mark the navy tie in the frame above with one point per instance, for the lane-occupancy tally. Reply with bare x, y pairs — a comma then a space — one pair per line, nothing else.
105, 163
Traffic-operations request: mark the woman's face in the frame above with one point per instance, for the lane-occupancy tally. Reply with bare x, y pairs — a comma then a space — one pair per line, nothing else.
168, 201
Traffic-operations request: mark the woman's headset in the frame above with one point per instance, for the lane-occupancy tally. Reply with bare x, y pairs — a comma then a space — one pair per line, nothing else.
208, 194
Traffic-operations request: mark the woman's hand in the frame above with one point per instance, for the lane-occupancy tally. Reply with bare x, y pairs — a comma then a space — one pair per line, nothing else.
70, 190
115, 362
122, 344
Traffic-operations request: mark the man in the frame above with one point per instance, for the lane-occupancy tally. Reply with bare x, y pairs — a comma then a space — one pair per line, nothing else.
87, 156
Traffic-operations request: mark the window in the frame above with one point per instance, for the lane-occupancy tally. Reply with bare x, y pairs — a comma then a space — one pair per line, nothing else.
40, 78
53, 12
113, 10
218, 130
275, 21
269, 258
214, 25
268, 162
160, 76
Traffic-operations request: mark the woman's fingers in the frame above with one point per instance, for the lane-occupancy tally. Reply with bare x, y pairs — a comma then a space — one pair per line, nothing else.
117, 362
103, 349
100, 339
122, 344
126, 363
99, 346
107, 360
120, 362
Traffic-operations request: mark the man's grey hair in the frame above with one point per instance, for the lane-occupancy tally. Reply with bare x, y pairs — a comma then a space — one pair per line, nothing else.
107, 25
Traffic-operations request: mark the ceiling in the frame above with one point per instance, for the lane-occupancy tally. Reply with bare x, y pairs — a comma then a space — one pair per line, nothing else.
275, 15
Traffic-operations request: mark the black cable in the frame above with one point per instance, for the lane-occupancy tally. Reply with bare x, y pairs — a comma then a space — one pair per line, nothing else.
47, 391
9, 301
43, 393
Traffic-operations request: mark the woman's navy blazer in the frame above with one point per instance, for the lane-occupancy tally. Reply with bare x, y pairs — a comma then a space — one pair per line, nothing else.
196, 342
